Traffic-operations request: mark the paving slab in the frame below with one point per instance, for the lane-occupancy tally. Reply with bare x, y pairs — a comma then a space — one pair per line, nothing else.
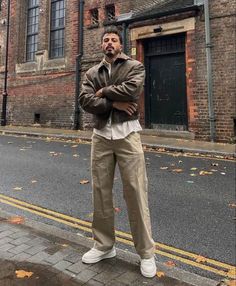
54, 259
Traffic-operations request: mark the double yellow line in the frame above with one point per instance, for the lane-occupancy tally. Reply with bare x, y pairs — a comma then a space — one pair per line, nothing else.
171, 252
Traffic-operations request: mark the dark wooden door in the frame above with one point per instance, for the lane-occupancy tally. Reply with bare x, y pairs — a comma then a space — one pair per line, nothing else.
166, 104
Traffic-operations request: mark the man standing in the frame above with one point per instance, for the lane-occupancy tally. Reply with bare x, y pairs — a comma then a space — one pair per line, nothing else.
110, 91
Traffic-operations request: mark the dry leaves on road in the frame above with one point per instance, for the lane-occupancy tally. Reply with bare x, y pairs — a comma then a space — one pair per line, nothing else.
204, 173
23, 274
177, 170
76, 155
117, 210
232, 272
201, 259
160, 274
18, 189
16, 220
227, 282
83, 182
52, 153
170, 263
232, 205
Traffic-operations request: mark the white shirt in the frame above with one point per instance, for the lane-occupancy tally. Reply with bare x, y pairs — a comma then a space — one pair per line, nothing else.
114, 131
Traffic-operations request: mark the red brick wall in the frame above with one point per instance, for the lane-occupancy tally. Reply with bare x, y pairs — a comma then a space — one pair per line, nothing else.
48, 90
51, 91
222, 25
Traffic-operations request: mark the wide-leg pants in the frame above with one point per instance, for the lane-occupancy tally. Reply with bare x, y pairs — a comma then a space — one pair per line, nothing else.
129, 156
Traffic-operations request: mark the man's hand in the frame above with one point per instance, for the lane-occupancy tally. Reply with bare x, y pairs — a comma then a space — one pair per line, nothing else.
128, 107
99, 93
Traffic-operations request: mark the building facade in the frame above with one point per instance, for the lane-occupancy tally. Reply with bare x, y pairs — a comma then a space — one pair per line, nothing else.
169, 37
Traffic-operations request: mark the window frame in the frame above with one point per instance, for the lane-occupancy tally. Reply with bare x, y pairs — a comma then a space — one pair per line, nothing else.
92, 22
107, 8
57, 29
30, 53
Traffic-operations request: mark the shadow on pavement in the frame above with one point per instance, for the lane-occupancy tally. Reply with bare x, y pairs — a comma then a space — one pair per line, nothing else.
43, 275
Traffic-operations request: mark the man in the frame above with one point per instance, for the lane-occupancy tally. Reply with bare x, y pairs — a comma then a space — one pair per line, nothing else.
110, 91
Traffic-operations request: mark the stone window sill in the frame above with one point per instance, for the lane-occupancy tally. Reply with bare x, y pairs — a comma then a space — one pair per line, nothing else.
41, 64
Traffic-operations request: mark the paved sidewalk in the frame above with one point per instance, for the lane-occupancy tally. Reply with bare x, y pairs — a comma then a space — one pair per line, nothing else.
54, 260
150, 138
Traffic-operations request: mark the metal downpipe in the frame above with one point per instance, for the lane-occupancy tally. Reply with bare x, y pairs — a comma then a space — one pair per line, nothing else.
209, 71
5, 94
78, 65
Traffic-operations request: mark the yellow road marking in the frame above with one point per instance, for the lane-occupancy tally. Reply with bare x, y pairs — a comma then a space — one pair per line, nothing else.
125, 237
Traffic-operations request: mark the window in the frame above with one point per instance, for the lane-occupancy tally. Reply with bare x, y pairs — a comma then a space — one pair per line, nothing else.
110, 13
32, 29
57, 28
94, 16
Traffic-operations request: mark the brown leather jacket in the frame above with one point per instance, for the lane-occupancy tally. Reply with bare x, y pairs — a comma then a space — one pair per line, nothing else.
124, 84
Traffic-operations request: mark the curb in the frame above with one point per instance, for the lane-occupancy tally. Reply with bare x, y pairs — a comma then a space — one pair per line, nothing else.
175, 273
149, 145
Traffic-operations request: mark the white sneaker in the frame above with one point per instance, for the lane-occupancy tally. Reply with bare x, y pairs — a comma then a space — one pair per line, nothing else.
148, 267
94, 255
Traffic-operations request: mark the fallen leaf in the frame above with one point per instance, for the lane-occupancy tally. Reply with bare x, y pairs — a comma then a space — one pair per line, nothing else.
117, 210
231, 283
17, 189
23, 274
160, 274
201, 259
232, 205
83, 182
203, 173
177, 170
16, 220
232, 272
170, 263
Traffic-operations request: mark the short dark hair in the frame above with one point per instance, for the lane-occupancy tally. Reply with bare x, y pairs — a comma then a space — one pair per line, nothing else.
112, 30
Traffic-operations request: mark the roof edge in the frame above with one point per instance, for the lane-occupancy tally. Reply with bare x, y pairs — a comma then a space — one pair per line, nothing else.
159, 15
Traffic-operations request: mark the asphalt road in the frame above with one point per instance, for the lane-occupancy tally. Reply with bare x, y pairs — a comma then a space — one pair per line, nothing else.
191, 199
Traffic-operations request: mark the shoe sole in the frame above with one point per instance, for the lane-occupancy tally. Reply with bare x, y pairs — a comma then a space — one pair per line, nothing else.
95, 260
148, 275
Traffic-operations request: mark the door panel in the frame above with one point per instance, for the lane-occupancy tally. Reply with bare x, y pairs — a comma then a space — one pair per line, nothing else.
168, 91
166, 99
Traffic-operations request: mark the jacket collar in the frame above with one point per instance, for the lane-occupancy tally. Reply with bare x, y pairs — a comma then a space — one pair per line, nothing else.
120, 57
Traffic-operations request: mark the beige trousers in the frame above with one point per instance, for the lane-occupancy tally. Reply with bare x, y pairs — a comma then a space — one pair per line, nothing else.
128, 153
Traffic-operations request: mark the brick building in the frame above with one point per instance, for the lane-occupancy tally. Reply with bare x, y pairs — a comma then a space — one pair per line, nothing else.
167, 36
